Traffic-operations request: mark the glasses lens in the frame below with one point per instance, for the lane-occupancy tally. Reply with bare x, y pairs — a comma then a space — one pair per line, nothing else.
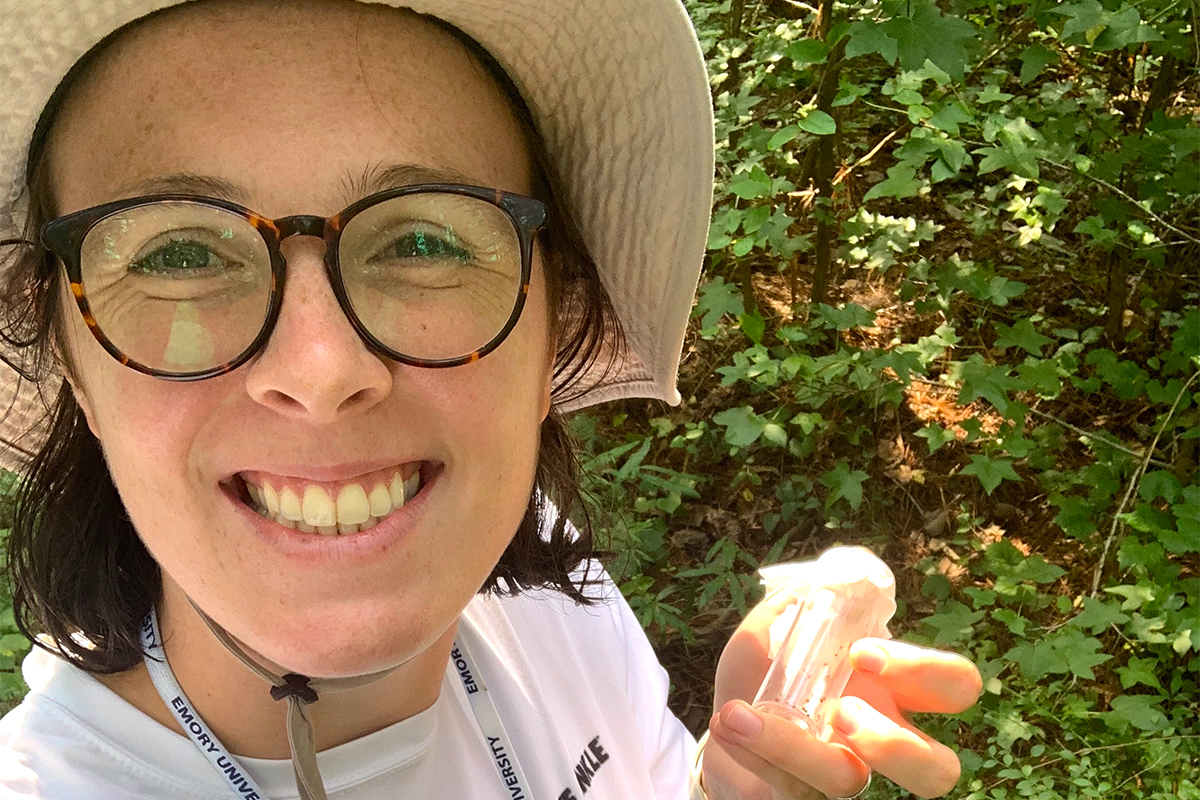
180, 287
432, 275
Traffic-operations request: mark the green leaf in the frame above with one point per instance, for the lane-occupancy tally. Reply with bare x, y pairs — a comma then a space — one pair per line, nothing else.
1160, 483
1124, 28
1140, 710
844, 483
753, 325
1037, 660
742, 425
1086, 19
1022, 335
1080, 653
818, 123
1093, 227
936, 436
1074, 516
867, 36
718, 298
901, 182
1140, 670
751, 185
1034, 59
803, 52
990, 472
982, 380
927, 34
783, 136
1097, 615
1041, 376
949, 117
954, 623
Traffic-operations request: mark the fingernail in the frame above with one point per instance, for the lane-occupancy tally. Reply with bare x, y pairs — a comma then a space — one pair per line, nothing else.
870, 658
849, 717
743, 722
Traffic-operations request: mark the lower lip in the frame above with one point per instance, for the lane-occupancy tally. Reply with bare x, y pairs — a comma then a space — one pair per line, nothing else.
316, 549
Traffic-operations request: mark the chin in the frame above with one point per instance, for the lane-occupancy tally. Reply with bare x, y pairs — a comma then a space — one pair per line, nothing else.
334, 648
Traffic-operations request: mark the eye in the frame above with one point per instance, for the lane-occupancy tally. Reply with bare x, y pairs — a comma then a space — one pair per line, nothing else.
422, 245
180, 258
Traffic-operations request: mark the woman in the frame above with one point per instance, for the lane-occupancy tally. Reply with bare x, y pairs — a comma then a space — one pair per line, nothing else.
311, 272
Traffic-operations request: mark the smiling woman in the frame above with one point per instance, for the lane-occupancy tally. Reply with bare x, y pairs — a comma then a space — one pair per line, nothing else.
320, 277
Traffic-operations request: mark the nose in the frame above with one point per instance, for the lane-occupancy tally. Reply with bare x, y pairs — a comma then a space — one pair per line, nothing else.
315, 366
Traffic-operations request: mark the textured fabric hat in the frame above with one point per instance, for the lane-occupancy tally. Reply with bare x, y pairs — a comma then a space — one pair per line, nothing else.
618, 90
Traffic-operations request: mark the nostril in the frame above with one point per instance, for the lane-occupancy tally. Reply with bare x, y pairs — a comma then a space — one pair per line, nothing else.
362, 398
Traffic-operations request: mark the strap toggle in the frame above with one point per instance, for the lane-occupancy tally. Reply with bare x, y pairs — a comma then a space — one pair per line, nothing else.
295, 686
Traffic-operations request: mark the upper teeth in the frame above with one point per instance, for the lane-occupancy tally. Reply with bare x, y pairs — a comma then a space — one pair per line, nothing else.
355, 508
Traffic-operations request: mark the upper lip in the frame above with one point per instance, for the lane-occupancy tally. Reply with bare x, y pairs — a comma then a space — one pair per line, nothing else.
346, 471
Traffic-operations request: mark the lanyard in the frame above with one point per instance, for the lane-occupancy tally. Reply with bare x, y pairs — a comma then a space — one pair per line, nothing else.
244, 787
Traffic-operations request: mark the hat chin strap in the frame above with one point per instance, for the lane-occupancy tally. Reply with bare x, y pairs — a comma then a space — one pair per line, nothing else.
300, 691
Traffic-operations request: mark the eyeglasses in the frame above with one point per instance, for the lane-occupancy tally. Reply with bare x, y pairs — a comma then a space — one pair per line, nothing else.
185, 287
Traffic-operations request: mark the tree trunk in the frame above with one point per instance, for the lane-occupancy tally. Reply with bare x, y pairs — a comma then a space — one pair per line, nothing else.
823, 168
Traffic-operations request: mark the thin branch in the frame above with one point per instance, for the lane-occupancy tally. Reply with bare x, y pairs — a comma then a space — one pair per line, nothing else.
1118, 191
1087, 750
1134, 480
1108, 442
844, 171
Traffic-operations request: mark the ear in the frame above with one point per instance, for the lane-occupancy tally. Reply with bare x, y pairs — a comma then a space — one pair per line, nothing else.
548, 380
81, 397
66, 353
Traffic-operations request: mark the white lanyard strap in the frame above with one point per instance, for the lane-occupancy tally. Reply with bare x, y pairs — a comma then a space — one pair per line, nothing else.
488, 720
172, 694
244, 787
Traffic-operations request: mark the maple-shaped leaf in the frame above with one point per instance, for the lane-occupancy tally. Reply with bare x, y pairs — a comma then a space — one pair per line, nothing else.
929, 34
980, 379
990, 471
867, 36
1022, 335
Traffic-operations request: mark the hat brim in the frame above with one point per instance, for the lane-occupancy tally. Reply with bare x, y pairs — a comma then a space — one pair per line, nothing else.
617, 88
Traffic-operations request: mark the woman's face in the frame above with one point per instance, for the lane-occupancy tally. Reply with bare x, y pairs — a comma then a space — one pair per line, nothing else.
292, 105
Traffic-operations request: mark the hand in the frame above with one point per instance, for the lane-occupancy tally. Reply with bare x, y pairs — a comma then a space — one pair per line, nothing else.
753, 755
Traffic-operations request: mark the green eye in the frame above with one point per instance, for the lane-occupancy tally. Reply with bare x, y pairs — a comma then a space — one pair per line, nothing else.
420, 244
177, 257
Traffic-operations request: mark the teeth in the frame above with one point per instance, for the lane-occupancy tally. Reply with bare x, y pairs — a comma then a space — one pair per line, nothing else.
353, 508
318, 507
289, 505
270, 498
315, 511
380, 501
396, 491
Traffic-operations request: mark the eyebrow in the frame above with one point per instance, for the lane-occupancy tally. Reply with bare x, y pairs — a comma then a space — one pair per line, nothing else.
376, 178
186, 183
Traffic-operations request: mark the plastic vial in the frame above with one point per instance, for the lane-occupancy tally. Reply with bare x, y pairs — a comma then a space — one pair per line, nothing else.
845, 595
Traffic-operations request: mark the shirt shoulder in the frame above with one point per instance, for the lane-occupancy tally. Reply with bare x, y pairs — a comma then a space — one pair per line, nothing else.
50, 752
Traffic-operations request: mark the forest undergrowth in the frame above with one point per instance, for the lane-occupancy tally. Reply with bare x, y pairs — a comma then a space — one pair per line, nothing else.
949, 312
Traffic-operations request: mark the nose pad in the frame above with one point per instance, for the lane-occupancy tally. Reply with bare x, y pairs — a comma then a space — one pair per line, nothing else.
315, 365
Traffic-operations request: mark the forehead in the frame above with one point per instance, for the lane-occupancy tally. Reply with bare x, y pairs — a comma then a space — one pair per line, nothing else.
291, 101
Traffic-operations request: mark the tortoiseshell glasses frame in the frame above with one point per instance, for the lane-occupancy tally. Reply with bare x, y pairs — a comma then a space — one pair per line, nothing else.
65, 237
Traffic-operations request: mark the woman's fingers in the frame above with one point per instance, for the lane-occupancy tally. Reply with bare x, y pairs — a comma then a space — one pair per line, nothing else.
777, 751
918, 678
898, 752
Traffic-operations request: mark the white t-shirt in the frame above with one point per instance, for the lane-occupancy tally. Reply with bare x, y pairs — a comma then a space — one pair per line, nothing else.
579, 690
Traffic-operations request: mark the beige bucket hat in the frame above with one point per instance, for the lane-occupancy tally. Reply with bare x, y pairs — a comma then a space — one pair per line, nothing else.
618, 89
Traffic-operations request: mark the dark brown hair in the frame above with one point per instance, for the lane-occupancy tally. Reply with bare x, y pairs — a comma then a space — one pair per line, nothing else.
79, 568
